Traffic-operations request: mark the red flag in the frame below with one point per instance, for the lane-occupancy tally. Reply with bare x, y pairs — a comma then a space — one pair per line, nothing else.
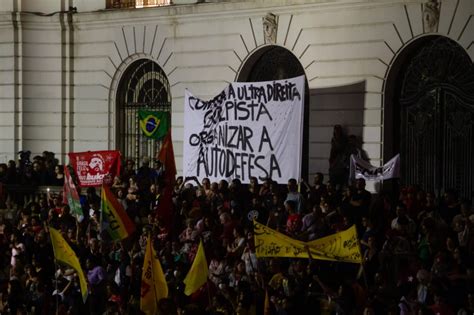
164, 209
166, 156
165, 204
93, 167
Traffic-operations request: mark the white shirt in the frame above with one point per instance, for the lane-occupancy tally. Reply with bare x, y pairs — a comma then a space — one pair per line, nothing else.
20, 248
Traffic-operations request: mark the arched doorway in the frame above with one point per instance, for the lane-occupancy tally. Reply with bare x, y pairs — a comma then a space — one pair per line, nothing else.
429, 115
143, 86
278, 63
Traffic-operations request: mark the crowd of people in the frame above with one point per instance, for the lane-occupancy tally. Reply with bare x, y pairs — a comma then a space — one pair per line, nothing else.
418, 248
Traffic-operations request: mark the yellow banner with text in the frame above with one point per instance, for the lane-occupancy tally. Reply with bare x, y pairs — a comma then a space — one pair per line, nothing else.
342, 246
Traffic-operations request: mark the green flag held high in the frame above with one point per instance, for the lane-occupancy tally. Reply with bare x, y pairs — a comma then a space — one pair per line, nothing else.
154, 124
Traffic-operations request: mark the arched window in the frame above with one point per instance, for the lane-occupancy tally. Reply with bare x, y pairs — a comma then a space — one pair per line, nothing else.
429, 115
278, 63
143, 86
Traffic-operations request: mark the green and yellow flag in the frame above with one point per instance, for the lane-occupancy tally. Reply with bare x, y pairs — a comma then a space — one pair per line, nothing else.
197, 275
154, 124
64, 253
154, 286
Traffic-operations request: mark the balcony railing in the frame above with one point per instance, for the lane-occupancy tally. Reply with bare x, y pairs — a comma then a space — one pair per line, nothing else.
128, 4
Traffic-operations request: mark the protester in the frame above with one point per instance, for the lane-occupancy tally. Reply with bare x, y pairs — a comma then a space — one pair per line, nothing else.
420, 259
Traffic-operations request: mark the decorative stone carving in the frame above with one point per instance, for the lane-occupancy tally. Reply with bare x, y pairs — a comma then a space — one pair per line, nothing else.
270, 28
431, 16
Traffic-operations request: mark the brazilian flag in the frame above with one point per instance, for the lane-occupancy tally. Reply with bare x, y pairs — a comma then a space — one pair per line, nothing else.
154, 124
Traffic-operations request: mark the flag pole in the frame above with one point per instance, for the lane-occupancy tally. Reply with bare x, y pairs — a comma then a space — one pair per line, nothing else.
207, 280
152, 264
258, 275
257, 269
101, 211
56, 286
310, 257
361, 260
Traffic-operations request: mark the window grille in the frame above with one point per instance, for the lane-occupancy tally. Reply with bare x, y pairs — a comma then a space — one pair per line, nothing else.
437, 119
144, 86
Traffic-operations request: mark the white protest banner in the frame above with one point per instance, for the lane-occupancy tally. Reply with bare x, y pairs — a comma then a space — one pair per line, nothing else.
362, 169
250, 129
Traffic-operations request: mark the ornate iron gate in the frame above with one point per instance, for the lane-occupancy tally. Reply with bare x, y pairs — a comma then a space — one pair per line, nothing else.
144, 85
437, 119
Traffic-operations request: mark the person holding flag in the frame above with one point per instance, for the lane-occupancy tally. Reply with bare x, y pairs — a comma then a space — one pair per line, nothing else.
198, 273
113, 216
64, 254
166, 157
165, 203
71, 196
153, 285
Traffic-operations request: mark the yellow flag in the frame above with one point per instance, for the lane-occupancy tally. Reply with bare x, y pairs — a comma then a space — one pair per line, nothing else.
153, 286
270, 243
197, 275
64, 253
342, 246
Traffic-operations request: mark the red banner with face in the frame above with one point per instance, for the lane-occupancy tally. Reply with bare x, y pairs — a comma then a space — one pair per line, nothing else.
94, 167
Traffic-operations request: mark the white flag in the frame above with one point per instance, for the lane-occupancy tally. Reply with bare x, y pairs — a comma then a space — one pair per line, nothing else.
250, 129
362, 169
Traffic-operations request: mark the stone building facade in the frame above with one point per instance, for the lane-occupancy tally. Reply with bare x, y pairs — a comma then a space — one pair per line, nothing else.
65, 65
